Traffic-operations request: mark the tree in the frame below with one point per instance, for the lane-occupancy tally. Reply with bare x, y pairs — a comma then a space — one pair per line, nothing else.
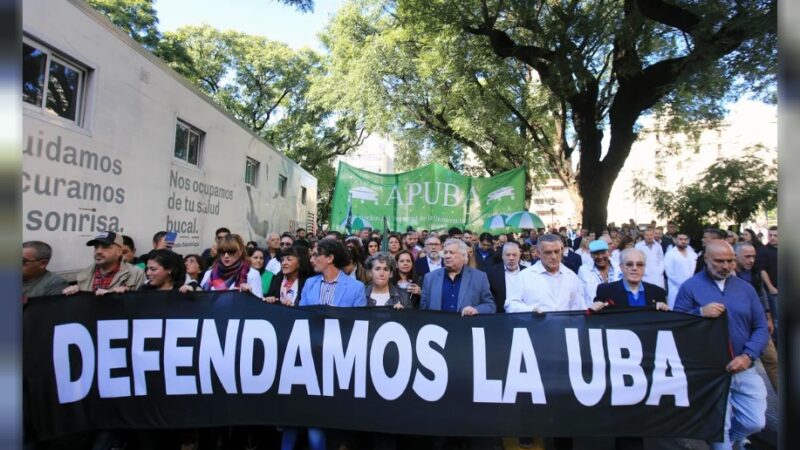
269, 87
439, 98
591, 66
730, 190
263, 83
138, 18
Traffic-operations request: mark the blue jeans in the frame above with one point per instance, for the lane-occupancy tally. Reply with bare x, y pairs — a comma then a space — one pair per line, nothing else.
747, 408
316, 438
773, 306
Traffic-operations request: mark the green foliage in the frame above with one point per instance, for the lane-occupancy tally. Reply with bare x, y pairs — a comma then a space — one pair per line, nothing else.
138, 18
729, 191
534, 81
438, 95
265, 84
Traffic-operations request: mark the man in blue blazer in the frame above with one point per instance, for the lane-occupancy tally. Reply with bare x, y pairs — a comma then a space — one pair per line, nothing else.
332, 286
630, 291
457, 287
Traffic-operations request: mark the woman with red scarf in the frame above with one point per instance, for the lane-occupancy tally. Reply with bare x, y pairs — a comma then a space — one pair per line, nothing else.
231, 270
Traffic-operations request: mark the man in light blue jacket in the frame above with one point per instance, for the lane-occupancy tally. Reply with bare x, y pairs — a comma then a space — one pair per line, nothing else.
331, 287
456, 287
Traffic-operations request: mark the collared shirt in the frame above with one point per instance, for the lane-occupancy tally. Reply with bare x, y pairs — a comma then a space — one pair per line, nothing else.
591, 277
654, 270
450, 290
747, 324
433, 266
327, 289
101, 280
511, 276
635, 298
537, 289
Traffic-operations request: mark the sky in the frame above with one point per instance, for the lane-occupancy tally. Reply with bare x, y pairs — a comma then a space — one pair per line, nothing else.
268, 18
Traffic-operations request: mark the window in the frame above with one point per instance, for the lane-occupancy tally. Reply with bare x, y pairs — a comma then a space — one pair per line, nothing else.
251, 171
188, 143
303, 192
282, 181
52, 84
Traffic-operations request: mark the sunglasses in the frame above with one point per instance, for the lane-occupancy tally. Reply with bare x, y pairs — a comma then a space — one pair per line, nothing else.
286, 244
228, 252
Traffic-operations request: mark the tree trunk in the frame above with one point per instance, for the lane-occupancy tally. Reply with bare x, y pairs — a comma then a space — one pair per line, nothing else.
595, 189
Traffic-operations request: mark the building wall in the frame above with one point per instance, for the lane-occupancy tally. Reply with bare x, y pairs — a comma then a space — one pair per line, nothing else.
133, 103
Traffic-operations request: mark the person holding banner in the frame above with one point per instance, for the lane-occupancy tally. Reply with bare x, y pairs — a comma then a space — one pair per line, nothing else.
332, 286
381, 291
406, 278
457, 287
109, 273
548, 285
231, 270
630, 291
165, 271
710, 293
287, 285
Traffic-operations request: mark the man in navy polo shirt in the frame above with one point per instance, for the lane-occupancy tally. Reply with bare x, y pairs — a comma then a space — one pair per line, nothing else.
711, 292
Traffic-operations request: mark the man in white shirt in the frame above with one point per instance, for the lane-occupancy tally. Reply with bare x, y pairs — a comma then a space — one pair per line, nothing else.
654, 271
503, 276
602, 270
679, 264
548, 285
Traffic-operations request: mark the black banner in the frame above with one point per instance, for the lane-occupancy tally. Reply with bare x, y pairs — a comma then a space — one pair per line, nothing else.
166, 360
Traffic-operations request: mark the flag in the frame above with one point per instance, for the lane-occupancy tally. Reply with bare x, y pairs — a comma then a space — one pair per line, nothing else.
385, 240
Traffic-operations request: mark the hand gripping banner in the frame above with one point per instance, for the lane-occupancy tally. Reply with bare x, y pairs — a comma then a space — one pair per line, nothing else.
166, 360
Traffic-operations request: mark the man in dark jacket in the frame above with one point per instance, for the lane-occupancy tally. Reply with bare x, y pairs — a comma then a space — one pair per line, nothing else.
630, 291
484, 251
502, 276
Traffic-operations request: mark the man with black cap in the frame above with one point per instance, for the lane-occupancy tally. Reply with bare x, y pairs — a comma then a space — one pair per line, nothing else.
109, 273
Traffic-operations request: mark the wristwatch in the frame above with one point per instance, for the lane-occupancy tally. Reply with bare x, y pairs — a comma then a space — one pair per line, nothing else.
750, 357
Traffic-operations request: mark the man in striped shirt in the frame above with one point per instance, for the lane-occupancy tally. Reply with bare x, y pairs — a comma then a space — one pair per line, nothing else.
331, 287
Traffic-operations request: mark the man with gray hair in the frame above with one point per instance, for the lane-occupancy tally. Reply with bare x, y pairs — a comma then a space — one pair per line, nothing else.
503, 276
457, 287
37, 281
548, 285
631, 291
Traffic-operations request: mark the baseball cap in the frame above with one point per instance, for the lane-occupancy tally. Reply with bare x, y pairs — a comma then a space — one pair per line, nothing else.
106, 238
597, 245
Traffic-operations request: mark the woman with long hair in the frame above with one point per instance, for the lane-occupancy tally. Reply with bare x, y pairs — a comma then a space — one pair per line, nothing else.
231, 270
287, 285
405, 277
748, 235
472, 261
258, 258
164, 270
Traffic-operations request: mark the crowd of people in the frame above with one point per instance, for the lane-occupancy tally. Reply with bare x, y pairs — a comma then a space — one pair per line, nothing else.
467, 273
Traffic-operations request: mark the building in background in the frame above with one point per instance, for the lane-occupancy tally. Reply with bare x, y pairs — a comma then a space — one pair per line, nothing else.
376, 154
677, 158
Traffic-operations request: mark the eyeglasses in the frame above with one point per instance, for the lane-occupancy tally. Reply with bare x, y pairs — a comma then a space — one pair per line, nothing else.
632, 264
27, 261
286, 244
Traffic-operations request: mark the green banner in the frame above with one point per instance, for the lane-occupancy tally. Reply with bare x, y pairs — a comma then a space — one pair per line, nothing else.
430, 198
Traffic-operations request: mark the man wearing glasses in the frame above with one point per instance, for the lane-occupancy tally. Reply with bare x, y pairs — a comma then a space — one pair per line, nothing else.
630, 291
331, 287
37, 281
432, 259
